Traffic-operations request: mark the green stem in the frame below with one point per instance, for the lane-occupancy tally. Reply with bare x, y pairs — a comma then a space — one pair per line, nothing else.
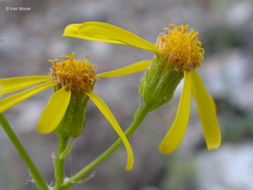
59, 163
139, 116
39, 181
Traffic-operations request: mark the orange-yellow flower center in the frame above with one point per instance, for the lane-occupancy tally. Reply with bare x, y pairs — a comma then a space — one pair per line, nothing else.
181, 48
77, 75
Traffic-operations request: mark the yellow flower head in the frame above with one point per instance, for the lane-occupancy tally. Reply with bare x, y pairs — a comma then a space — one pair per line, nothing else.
182, 49
177, 55
77, 75
73, 81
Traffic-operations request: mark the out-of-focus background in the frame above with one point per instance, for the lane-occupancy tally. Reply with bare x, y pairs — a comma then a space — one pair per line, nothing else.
32, 35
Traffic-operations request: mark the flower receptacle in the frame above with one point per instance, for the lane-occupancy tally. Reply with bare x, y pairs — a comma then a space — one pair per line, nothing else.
159, 82
73, 121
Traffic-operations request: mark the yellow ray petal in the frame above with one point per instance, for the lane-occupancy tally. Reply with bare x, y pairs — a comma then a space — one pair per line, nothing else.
54, 111
134, 68
99, 31
73, 30
207, 112
10, 85
177, 131
111, 119
11, 101
213, 103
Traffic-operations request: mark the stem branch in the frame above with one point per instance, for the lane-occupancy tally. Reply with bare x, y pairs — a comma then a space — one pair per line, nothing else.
139, 116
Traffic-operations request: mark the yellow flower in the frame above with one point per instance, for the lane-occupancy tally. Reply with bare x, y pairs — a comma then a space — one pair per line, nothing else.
177, 50
69, 78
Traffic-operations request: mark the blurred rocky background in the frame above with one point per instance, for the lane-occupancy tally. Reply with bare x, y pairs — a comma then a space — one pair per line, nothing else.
32, 36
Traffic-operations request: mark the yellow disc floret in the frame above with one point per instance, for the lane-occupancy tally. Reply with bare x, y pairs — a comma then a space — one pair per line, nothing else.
76, 75
181, 48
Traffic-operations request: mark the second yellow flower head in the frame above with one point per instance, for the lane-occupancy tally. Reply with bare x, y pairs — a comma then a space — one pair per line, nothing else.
182, 49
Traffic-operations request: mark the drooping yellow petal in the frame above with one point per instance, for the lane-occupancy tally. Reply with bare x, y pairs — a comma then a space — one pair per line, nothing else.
54, 111
99, 31
11, 101
177, 131
213, 103
10, 85
111, 119
207, 112
134, 68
